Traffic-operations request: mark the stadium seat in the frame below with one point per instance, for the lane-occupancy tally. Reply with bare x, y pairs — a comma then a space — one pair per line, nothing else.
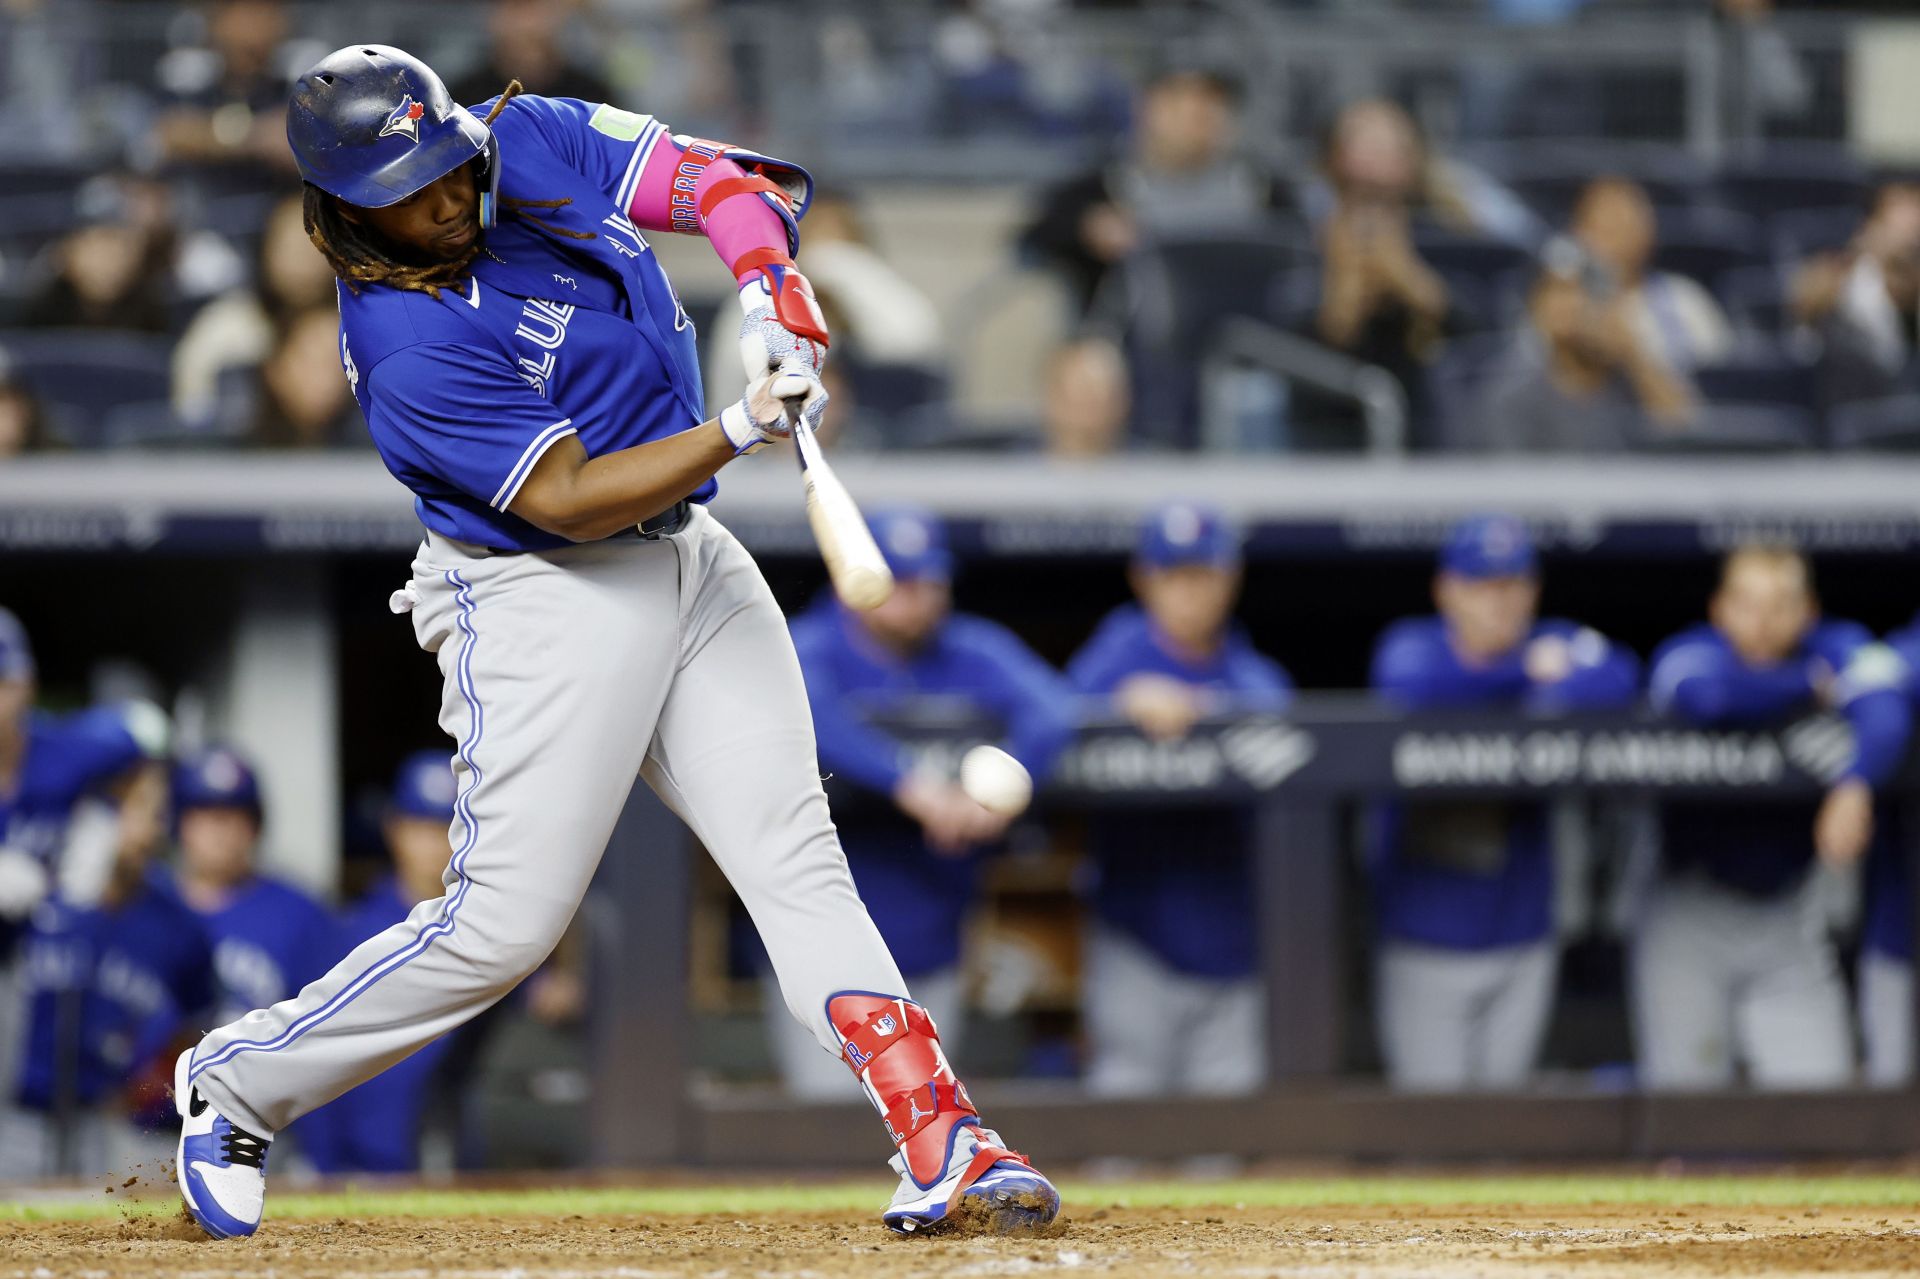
83, 376
1800, 233
1769, 378
1891, 424
1755, 299
1487, 278
1769, 186
1707, 244
1742, 428
1551, 184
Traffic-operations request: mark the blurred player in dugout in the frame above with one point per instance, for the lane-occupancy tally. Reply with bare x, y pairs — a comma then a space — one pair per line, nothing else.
915, 849
1732, 962
1886, 930
1172, 1002
100, 967
1464, 890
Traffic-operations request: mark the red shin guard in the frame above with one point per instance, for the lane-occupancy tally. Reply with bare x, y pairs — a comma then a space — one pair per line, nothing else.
892, 1047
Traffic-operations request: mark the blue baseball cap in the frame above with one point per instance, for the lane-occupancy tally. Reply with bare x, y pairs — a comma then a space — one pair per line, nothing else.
218, 777
913, 541
16, 651
1484, 546
424, 787
1187, 533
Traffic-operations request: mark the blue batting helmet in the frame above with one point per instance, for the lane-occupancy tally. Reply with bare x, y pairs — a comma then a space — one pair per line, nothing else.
372, 124
216, 778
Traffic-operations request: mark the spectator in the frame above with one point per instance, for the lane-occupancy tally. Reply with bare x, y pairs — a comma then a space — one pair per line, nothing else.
1885, 971
126, 264
114, 980
1172, 1002
236, 330
1673, 318
1463, 890
1580, 378
269, 938
1373, 159
1087, 401
525, 44
1375, 298
1731, 966
305, 401
226, 101
1864, 301
23, 423
377, 1125
1180, 173
913, 838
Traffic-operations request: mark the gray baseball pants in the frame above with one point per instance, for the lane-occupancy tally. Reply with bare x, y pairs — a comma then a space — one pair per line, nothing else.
1886, 1019
567, 674
1153, 1030
1462, 1020
1718, 978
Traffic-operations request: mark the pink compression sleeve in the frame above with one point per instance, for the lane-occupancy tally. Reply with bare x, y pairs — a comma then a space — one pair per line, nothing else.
736, 227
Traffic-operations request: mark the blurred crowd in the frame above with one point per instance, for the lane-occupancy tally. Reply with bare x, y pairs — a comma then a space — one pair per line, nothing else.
134, 912
1380, 293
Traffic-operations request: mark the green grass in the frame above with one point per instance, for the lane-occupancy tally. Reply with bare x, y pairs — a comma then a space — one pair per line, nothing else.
1304, 1193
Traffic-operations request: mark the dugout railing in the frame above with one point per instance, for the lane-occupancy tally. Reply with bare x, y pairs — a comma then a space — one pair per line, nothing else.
1302, 774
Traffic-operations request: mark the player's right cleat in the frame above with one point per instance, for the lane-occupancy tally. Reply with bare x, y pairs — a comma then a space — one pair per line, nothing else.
222, 1167
954, 1172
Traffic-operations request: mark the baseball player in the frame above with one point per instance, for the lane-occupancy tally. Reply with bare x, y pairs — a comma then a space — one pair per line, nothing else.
375, 1127
917, 866
527, 371
1463, 891
1172, 1003
269, 938
111, 984
60, 777
1885, 974
1731, 962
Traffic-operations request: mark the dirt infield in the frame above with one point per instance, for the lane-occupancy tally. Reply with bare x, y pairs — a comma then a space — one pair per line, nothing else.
1368, 1242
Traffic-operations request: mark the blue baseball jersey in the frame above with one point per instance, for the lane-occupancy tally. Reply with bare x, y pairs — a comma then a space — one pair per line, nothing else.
67, 758
124, 982
1758, 847
269, 939
375, 1126
917, 899
1886, 926
1472, 875
1179, 880
550, 336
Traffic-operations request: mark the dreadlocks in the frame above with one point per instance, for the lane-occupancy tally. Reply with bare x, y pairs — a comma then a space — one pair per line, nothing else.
359, 255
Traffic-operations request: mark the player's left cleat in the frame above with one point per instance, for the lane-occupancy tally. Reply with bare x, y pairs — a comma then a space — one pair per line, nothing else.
222, 1167
955, 1173
986, 1189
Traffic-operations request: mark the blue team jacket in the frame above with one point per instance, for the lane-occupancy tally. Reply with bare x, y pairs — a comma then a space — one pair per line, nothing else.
124, 981
1760, 848
1473, 876
1179, 881
917, 899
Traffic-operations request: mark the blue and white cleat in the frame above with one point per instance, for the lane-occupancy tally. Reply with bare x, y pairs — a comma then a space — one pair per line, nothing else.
222, 1167
985, 1189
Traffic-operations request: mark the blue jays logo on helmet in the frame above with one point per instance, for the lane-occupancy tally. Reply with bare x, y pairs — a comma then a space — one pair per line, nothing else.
404, 121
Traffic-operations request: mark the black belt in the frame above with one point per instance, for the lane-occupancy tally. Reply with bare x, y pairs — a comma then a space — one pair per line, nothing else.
665, 524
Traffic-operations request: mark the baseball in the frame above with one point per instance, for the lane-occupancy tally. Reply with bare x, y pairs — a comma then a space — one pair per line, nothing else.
996, 781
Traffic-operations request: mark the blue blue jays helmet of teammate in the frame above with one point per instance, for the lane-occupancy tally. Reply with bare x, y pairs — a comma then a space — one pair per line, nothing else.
1488, 585
217, 812
420, 811
1186, 572
371, 125
913, 541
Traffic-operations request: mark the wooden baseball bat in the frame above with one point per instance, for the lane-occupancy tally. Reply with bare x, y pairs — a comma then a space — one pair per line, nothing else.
860, 574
